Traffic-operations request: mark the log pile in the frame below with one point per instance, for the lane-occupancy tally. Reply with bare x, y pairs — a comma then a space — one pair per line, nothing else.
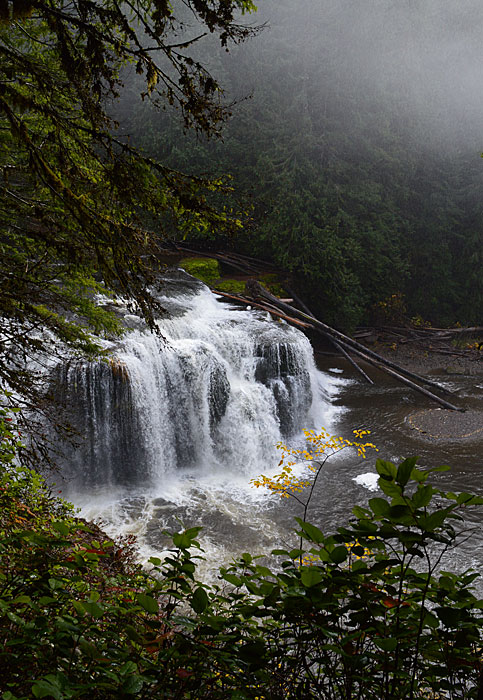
438, 340
242, 263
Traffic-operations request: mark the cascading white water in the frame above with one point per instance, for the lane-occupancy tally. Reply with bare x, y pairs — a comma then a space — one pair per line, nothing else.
182, 421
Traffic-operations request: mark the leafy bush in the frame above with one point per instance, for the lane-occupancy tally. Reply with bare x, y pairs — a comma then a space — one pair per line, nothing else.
366, 612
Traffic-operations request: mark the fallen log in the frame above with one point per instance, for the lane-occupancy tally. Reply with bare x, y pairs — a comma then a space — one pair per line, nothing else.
242, 263
256, 290
334, 342
263, 307
343, 352
470, 330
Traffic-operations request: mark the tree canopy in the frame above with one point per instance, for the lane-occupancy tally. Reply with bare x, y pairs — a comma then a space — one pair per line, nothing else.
78, 203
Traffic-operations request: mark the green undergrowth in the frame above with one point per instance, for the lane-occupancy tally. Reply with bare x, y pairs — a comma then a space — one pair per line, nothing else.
231, 286
365, 612
205, 269
208, 271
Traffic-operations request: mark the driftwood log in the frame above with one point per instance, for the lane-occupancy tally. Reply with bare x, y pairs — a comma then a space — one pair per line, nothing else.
259, 297
332, 340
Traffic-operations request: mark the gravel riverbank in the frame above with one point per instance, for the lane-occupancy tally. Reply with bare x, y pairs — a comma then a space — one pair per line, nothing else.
438, 424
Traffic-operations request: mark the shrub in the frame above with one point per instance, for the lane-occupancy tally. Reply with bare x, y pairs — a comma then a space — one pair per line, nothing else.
366, 612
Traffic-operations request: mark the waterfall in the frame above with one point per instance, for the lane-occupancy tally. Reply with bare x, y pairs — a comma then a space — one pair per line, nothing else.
173, 426
216, 390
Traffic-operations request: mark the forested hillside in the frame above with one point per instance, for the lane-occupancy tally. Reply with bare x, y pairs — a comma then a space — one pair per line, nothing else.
354, 148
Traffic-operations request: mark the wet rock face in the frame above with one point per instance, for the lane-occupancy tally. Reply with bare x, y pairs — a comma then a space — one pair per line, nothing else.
176, 282
274, 361
219, 393
99, 406
278, 369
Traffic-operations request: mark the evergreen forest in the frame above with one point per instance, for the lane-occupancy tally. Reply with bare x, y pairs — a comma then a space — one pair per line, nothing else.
354, 149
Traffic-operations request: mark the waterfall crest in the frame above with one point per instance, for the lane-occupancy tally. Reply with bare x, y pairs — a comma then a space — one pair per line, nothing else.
215, 391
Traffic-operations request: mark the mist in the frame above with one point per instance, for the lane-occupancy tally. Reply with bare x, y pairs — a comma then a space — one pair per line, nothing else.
421, 60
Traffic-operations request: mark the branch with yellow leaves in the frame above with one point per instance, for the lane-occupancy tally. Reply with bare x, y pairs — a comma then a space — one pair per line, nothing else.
319, 448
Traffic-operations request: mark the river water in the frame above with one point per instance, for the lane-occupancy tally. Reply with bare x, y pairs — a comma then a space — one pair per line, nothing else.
176, 427
396, 417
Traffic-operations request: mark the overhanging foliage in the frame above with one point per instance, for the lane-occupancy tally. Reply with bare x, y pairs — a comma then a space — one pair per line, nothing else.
75, 197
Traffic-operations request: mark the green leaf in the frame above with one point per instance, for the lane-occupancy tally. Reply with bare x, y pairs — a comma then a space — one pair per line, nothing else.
442, 468
61, 527
359, 565
379, 506
16, 619
387, 470
419, 475
181, 540
310, 576
311, 532
192, 532
422, 496
79, 608
405, 469
469, 499
148, 603
55, 583
93, 608
233, 579
89, 649
199, 600
339, 554
23, 599
133, 635
435, 520
450, 617
366, 526
431, 620
398, 513
133, 684
360, 512
44, 689
388, 644
390, 488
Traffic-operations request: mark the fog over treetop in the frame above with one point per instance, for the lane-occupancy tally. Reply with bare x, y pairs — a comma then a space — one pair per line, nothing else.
354, 146
424, 58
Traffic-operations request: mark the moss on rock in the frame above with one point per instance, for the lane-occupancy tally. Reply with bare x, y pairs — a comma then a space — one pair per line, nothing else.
231, 286
205, 269
208, 271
